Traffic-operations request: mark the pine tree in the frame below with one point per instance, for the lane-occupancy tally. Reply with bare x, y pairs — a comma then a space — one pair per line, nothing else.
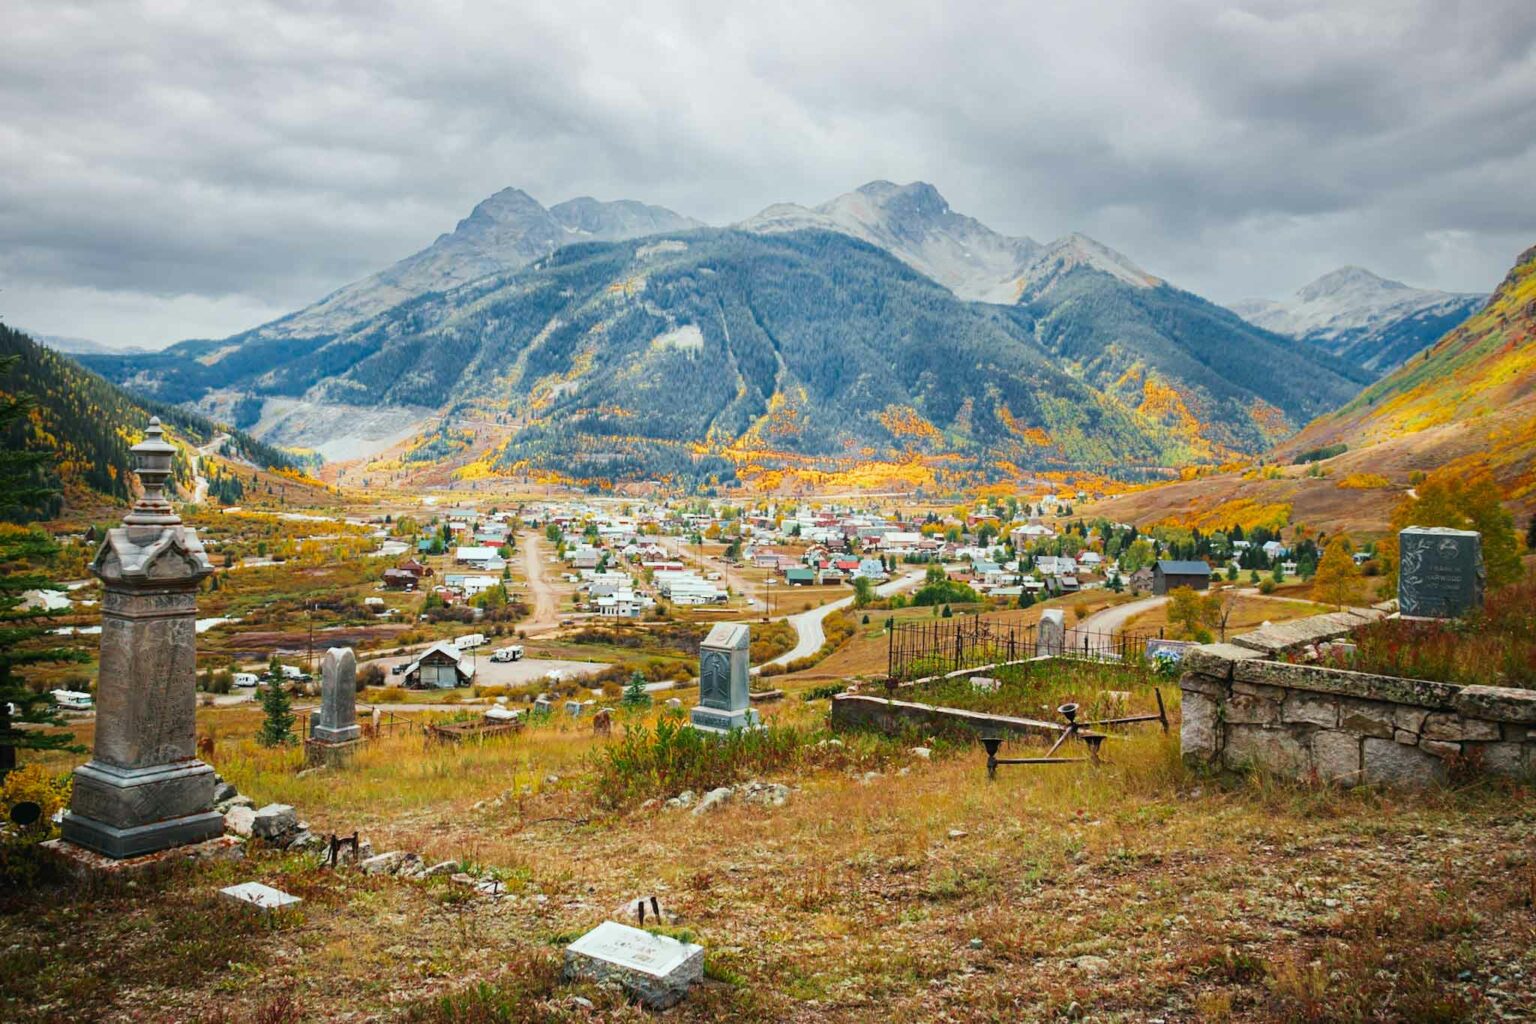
20, 551
277, 728
635, 695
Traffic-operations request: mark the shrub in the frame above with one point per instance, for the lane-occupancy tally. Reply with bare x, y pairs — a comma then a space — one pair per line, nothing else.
371, 674
1494, 647
646, 763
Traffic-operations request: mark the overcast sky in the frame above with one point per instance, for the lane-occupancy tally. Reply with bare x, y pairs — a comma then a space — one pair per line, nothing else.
173, 170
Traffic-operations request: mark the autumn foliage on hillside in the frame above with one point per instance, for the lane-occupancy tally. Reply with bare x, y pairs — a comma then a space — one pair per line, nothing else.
1467, 403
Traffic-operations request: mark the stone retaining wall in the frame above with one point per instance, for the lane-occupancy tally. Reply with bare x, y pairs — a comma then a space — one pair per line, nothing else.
1242, 708
862, 711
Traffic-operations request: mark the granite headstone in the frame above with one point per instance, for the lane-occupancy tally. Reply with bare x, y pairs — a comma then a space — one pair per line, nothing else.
1440, 572
725, 659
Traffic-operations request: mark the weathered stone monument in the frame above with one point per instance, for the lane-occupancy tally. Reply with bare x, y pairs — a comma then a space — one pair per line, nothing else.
1440, 572
334, 732
144, 789
724, 668
1051, 634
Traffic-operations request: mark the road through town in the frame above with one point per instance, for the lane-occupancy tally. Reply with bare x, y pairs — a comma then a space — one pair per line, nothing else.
808, 624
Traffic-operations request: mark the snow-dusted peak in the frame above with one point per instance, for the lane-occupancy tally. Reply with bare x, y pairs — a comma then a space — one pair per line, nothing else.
620, 219
504, 232
1369, 320
914, 223
1349, 299
1352, 281
1074, 251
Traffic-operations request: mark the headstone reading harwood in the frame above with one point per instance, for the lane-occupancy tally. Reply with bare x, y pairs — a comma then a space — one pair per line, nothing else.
654, 969
724, 668
1440, 572
144, 789
1051, 634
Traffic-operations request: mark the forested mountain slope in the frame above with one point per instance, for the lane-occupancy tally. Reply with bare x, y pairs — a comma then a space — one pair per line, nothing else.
1189, 364
716, 353
89, 424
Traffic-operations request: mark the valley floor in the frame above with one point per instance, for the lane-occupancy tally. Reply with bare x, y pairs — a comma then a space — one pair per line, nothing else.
1132, 892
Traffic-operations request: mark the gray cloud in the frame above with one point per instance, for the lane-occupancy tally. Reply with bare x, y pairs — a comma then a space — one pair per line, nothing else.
174, 170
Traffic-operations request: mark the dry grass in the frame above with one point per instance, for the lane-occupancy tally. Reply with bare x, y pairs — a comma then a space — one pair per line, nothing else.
1133, 891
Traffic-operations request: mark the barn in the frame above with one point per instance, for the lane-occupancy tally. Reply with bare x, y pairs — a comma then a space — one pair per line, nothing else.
440, 667
1168, 575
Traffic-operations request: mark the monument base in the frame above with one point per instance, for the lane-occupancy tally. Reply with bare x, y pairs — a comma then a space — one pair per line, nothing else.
119, 843
87, 865
331, 754
717, 721
125, 812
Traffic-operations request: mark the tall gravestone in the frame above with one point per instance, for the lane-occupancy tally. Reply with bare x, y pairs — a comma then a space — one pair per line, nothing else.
1440, 572
334, 731
725, 659
144, 789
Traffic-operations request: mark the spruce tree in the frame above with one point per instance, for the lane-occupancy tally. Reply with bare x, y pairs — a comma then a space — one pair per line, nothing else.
635, 695
277, 728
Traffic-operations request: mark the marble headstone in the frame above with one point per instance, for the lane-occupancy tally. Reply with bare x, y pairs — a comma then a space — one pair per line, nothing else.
144, 789
337, 720
1440, 572
725, 659
1051, 634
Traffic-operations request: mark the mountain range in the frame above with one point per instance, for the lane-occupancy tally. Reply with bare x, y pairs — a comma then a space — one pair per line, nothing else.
880, 327
1367, 320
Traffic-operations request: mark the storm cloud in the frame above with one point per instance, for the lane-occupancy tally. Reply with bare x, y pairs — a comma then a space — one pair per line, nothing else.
172, 170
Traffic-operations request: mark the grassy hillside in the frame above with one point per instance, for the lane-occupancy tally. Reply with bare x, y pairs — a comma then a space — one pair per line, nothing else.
89, 425
1467, 401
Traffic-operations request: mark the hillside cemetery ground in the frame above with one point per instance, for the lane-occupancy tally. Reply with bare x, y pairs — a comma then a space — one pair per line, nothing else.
889, 886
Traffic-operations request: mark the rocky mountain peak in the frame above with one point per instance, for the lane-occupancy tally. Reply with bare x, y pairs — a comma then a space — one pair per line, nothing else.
1347, 279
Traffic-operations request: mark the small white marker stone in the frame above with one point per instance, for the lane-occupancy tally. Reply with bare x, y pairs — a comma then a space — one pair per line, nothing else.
655, 969
258, 895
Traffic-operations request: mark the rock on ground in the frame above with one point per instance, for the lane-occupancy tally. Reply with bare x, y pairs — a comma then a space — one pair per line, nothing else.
274, 821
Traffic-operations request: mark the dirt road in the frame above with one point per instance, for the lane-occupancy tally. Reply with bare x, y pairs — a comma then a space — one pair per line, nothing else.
546, 601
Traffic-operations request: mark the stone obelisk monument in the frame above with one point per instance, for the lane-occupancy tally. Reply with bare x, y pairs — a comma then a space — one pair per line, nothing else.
144, 789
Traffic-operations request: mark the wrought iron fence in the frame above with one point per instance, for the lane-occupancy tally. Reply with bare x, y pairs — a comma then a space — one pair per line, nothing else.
918, 650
